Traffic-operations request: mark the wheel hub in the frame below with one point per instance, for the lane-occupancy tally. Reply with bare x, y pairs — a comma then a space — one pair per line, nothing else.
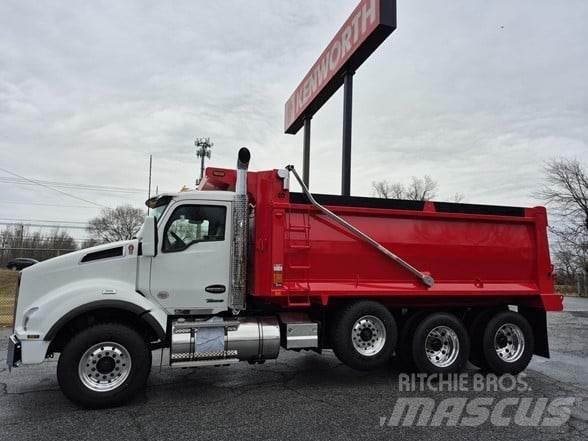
104, 366
442, 346
436, 344
501, 341
368, 335
509, 342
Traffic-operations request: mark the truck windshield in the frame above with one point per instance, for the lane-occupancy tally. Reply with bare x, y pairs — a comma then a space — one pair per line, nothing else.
158, 211
158, 205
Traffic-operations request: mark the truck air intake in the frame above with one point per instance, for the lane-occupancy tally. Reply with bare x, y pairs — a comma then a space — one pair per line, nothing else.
239, 245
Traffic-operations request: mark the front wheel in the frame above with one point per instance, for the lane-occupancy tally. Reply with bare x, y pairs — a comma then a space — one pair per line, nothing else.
104, 365
364, 335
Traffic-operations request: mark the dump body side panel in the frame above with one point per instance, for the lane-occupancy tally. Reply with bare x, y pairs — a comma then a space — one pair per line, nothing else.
477, 254
464, 253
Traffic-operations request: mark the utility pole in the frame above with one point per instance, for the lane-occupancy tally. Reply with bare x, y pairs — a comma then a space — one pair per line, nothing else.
203, 151
21, 251
149, 191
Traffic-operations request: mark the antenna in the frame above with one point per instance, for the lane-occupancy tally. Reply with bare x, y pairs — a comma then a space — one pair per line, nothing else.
149, 191
203, 151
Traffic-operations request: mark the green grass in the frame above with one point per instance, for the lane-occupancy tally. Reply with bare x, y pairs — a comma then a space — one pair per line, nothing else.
7, 292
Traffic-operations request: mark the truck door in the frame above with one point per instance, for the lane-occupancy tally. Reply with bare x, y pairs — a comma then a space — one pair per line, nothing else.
190, 273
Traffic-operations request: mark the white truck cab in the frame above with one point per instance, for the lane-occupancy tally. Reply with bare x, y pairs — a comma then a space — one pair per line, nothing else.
193, 251
185, 278
105, 308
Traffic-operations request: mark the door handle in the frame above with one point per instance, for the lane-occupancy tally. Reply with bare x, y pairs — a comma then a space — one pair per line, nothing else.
215, 289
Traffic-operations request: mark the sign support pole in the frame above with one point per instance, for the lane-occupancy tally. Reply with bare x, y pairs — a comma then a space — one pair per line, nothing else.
370, 23
347, 120
306, 152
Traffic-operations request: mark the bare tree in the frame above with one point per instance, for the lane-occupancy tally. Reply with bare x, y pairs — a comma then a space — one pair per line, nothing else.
418, 189
388, 190
566, 261
457, 197
113, 224
91, 242
566, 189
566, 193
421, 189
19, 241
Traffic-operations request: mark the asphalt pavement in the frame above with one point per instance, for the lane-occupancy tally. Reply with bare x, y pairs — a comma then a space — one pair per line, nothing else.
306, 396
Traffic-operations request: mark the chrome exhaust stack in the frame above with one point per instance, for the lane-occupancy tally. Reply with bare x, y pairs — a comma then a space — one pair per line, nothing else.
240, 231
243, 158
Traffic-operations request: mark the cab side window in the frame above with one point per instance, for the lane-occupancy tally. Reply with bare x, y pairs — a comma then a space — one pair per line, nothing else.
190, 224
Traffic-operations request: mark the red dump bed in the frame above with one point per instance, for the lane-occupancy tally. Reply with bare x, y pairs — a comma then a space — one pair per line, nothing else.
477, 254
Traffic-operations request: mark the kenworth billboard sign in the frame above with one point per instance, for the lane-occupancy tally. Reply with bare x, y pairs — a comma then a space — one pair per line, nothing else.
365, 29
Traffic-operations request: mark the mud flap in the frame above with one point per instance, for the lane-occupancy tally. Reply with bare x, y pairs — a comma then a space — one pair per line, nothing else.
537, 318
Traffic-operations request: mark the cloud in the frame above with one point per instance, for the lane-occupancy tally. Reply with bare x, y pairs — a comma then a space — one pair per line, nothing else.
476, 94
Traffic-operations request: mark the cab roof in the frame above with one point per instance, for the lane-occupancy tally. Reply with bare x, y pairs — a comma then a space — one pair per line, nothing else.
191, 195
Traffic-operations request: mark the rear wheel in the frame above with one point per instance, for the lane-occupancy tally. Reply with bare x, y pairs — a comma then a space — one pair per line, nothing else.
364, 335
508, 343
104, 365
476, 327
404, 346
440, 344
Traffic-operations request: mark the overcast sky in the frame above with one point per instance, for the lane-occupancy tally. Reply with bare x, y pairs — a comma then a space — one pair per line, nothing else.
477, 94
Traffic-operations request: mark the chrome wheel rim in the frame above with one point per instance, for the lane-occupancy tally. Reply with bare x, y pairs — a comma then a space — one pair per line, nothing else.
368, 335
104, 366
442, 346
509, 342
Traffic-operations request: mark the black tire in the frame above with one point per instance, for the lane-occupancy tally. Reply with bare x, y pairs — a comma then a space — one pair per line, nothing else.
493, 360
344, 332
476, 325
130, 340
404, 346
445, 326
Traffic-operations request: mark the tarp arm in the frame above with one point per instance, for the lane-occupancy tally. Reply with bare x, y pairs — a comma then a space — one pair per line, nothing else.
424, 278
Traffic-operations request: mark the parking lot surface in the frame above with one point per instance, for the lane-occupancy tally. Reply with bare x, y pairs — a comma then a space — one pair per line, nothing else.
298, 396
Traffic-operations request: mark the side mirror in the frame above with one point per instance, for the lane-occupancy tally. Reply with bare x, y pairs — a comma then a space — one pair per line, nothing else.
148, 237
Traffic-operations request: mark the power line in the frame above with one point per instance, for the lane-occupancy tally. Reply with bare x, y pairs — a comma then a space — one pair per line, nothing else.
38, 249
51, 239
46, 205
54, 189
72, 227
42, 220
103, 188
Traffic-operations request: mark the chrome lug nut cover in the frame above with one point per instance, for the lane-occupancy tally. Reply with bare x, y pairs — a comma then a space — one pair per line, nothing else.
104, 366
368, 335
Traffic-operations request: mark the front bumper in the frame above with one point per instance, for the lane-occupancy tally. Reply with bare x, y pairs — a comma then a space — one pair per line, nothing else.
14, 355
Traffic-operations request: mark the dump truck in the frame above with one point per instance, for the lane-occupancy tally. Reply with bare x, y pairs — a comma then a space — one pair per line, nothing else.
244, 267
